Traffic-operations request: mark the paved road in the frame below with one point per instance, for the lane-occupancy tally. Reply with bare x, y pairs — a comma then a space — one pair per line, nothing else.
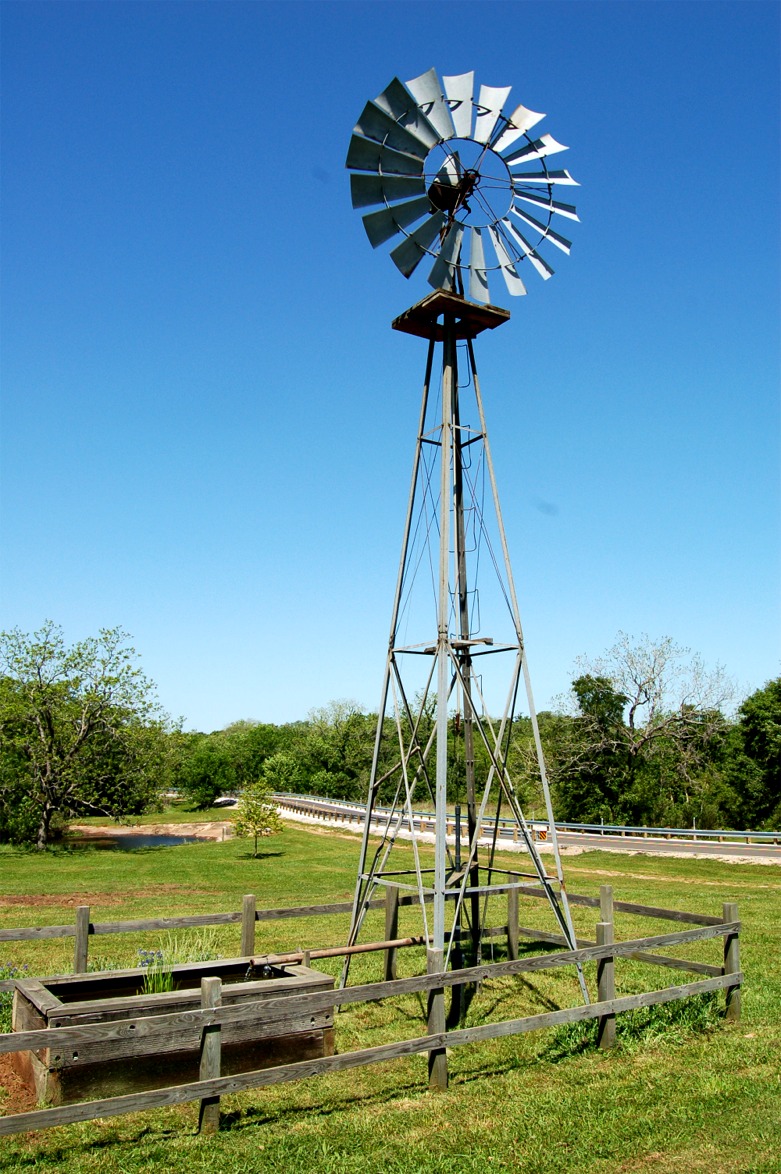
588, 841
675, 847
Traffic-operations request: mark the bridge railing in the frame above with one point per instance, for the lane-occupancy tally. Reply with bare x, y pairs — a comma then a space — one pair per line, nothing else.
351, 812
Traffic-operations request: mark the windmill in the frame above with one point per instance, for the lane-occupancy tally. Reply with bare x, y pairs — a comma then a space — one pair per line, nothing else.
452, 180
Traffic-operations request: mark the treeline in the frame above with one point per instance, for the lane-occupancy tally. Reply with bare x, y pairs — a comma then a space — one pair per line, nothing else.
683, 768
643, 737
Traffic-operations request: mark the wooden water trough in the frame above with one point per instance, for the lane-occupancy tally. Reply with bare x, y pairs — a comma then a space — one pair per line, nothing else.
142, 1059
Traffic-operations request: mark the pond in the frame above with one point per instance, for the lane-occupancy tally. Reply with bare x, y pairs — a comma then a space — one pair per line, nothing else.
129, 842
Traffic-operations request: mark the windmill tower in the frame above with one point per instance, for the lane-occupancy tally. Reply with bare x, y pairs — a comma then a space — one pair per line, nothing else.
448, 173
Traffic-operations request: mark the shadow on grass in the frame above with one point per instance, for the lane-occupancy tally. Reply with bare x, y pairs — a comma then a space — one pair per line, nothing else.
259, 856
663, 1023
254, 1115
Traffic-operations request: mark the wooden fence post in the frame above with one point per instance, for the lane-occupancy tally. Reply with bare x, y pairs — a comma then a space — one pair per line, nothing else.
731, 962
211, 1048
437, 1057
606, 986
391, 930
248, 925
606, 904
512, 920
81, 949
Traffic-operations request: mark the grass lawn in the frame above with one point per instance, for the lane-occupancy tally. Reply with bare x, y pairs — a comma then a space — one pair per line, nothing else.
685, 1092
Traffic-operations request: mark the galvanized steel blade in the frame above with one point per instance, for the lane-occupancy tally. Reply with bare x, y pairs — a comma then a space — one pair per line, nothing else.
489, 107
567, 210
550, 234
382, 225
376, 124
397, 101
458, 90
478, 274
427, 92
408, 255
520, 121
544, 177
441, 276
515, 286
538, 149
382, 189
542, 266
367, 155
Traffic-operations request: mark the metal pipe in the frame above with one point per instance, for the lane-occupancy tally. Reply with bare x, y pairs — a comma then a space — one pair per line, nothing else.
336, 951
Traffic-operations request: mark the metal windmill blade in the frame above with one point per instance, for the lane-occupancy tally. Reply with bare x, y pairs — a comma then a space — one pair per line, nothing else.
439, 169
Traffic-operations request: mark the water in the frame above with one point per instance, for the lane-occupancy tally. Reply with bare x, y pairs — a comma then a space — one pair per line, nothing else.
130, 843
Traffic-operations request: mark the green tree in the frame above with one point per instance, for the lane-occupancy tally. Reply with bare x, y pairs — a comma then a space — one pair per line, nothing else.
336, 751
80, 730
753, 766
280, 772
642, 741
207, 769
257, 814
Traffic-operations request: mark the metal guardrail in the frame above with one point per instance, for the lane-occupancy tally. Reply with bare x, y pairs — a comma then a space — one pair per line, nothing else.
508, 828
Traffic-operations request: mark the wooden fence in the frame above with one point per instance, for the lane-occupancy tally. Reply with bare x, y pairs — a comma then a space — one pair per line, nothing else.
82, 929
285, 1011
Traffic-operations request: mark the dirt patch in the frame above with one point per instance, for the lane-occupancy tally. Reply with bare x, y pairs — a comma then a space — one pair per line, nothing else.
672, 879
213, 830
15, 1096
71, 900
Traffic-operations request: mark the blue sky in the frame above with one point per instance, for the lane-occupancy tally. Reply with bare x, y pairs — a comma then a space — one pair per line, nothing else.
208, 424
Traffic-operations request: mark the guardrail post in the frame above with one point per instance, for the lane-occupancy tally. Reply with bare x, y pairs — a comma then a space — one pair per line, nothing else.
391, 930
211, 1048
512, 920
81, 948
437, 1057
606, 986
248, 925
731, 962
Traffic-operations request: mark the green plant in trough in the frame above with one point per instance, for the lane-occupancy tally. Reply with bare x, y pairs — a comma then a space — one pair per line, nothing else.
157, 974
176, 951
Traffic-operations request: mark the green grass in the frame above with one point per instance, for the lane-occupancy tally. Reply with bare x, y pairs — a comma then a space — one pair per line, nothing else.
683, 1091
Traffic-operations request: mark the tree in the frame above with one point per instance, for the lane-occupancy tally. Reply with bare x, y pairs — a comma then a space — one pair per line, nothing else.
251, 744
337, 748
257, 813
207, 769
280, 772
754, 767
80, 730
646, 726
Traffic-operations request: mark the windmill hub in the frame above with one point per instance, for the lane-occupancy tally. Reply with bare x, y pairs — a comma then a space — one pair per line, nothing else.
469, 182
450, 198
